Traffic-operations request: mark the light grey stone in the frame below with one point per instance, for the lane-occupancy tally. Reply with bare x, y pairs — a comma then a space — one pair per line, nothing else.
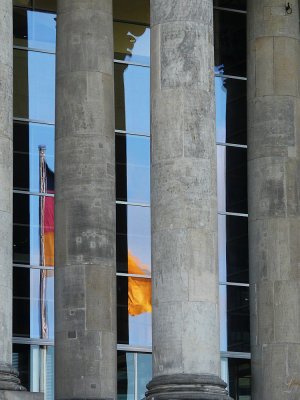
184, 203
273, 198
21, 395
8, 377
85, 276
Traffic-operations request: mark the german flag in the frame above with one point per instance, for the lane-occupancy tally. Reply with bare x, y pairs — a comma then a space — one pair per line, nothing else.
48, 219
46, 235
139, 289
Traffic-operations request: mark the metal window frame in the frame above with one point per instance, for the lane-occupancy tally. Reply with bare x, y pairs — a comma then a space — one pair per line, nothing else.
235, 10
33, 121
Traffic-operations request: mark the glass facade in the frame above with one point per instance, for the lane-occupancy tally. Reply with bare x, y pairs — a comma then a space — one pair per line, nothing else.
33, 276
231, 138
34, 99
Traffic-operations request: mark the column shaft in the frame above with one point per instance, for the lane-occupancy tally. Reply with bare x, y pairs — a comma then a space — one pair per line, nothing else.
8, 377
274, 198
85, 274
186, 356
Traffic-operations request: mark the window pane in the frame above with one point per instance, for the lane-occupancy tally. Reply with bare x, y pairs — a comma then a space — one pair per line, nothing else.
34, 85
239, 378
22, 3
125, 376
133, 240
46, 5
34, 29
27, 235
232, 179
33, 303
132, 43
132, 11
144, 373
236, 4
231, 110
133, 168
134, 311
28, 137
230, 42
31, 362
234, 318
132, 98
233, 249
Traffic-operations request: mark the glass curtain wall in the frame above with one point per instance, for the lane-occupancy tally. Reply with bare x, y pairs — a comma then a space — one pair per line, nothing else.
34, 84
132, 106
33, 201
231, 138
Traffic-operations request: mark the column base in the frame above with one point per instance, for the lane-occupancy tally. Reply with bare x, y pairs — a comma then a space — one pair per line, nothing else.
187, 387
9, 378
21, 395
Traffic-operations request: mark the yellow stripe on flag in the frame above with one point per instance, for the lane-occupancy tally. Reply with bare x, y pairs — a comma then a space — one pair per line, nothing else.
139, 289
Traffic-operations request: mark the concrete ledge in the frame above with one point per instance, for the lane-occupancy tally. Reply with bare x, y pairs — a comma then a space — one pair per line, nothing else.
21, 395
187, 387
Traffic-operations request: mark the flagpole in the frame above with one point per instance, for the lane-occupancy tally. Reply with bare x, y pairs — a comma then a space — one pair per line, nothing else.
43, 311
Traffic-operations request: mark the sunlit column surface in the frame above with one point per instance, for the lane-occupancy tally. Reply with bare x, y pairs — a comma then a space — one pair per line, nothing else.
85, 295
274, 197
186, 356
8, 377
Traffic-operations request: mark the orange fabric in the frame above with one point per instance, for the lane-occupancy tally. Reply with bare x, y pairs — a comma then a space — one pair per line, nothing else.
139, 289
49, 248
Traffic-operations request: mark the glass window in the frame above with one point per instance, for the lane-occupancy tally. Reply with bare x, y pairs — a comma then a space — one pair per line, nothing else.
132, 98
234, 318
132, 43
232, 179
144, 373
230, 42
22, 3
134, 372
46, 5
235, 4
231, 110
33, 230
34, 85
33, 361
133, 168
34, 29
132, 11
33, 303
233, 248
133, 240
126, 376
28, 139
134, 311
238, 377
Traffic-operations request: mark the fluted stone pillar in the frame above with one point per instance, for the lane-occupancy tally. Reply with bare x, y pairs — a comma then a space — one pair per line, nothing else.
8, 377
85, 288
186, 352
274, 198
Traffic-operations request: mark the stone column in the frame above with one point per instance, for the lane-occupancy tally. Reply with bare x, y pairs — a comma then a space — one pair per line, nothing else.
8, 377
186, 349
274, 197
85, 273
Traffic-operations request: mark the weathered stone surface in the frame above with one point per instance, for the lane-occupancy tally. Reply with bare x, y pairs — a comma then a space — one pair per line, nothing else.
273, 198
20, 395
186, 387
8, 377
85, 286
183, 201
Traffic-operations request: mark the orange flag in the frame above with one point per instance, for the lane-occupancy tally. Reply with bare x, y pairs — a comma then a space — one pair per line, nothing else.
139, 289
48, 219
